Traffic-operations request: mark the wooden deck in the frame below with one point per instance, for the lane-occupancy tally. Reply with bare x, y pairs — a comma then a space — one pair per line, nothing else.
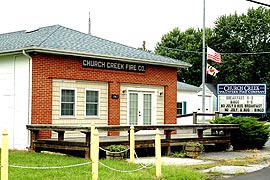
174, 135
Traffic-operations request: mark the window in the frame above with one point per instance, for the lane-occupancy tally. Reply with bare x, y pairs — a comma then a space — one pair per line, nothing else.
133, 108
147, 109
179, 108
182, 108
92, 103
67, 102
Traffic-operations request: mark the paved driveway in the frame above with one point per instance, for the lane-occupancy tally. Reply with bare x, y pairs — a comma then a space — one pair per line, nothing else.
263, 174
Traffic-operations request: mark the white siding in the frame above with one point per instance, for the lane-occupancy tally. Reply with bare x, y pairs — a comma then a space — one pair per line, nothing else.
14, 99
194, 104
191, 99
80, 119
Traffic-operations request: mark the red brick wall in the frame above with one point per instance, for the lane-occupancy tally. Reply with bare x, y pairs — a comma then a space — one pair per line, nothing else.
47, 67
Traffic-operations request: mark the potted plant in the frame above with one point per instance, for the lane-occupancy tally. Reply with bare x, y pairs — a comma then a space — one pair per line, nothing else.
116, 151
193, 149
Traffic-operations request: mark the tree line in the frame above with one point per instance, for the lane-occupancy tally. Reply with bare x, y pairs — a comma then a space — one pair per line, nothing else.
243, 41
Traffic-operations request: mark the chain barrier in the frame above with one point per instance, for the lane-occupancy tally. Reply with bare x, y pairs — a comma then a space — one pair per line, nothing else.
149, 165
123, 171
143, 166
107, 151
50, 167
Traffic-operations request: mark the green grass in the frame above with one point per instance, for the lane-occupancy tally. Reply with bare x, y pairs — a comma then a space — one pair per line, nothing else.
23, 158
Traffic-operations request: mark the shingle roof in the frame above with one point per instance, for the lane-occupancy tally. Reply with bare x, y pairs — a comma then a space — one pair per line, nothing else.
185, 86
61, 39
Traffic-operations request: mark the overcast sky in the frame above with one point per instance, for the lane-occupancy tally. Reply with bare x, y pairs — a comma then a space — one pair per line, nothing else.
129, 22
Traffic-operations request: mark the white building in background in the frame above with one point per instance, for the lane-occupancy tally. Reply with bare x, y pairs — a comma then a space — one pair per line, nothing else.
189, 100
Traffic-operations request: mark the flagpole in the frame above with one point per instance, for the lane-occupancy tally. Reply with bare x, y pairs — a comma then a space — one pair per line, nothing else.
203, 65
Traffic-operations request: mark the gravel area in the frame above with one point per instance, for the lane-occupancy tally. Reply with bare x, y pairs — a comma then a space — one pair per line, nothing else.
237, 154
232, 170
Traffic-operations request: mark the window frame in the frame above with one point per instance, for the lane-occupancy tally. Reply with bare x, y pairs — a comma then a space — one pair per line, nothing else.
98, 104
75, 103
179, 108
183, 108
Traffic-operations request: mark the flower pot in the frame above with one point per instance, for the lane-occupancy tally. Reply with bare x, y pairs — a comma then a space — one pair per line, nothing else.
193, 154
111, 155
193, 150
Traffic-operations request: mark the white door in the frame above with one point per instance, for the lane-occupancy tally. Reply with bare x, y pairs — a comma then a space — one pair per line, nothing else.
207, 104
201, 119
14, 100
140, 108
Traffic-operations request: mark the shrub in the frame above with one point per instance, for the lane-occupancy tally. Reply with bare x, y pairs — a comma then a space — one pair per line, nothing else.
116, 148
252, 134
177, 154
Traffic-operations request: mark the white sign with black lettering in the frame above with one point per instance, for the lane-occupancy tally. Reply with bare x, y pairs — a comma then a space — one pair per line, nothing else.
242, 98
242, 103
113, 65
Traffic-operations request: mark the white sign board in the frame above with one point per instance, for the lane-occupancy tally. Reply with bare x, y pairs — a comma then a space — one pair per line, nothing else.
242, 98
242, 104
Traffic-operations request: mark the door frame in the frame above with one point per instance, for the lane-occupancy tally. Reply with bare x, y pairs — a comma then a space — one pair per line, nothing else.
154, 102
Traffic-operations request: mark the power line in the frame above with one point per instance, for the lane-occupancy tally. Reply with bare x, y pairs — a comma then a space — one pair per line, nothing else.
181, 50
257, 2
248, 53
222, 53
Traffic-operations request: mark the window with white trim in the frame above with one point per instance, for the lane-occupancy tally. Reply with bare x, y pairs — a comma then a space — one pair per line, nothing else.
182, 108
68, 102
92, 103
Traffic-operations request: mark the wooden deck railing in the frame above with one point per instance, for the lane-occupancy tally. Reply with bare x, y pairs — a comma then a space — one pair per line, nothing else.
168, 129
195, 115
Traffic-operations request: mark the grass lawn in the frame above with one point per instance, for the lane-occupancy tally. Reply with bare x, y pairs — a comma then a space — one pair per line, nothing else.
24, 158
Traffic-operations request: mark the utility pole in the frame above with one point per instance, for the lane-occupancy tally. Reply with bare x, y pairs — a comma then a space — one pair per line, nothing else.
89, 24
144, 45
203, 64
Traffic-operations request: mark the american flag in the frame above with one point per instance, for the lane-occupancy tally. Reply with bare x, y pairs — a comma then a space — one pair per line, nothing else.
213, 55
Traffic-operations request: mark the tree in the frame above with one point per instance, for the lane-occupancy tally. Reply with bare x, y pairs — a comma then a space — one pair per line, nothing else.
174, 42
246, 33
239, 38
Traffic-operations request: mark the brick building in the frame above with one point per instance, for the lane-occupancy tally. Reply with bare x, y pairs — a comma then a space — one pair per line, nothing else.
56, 75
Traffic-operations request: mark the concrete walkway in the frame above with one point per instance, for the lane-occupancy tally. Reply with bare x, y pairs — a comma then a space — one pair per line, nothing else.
210, 157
